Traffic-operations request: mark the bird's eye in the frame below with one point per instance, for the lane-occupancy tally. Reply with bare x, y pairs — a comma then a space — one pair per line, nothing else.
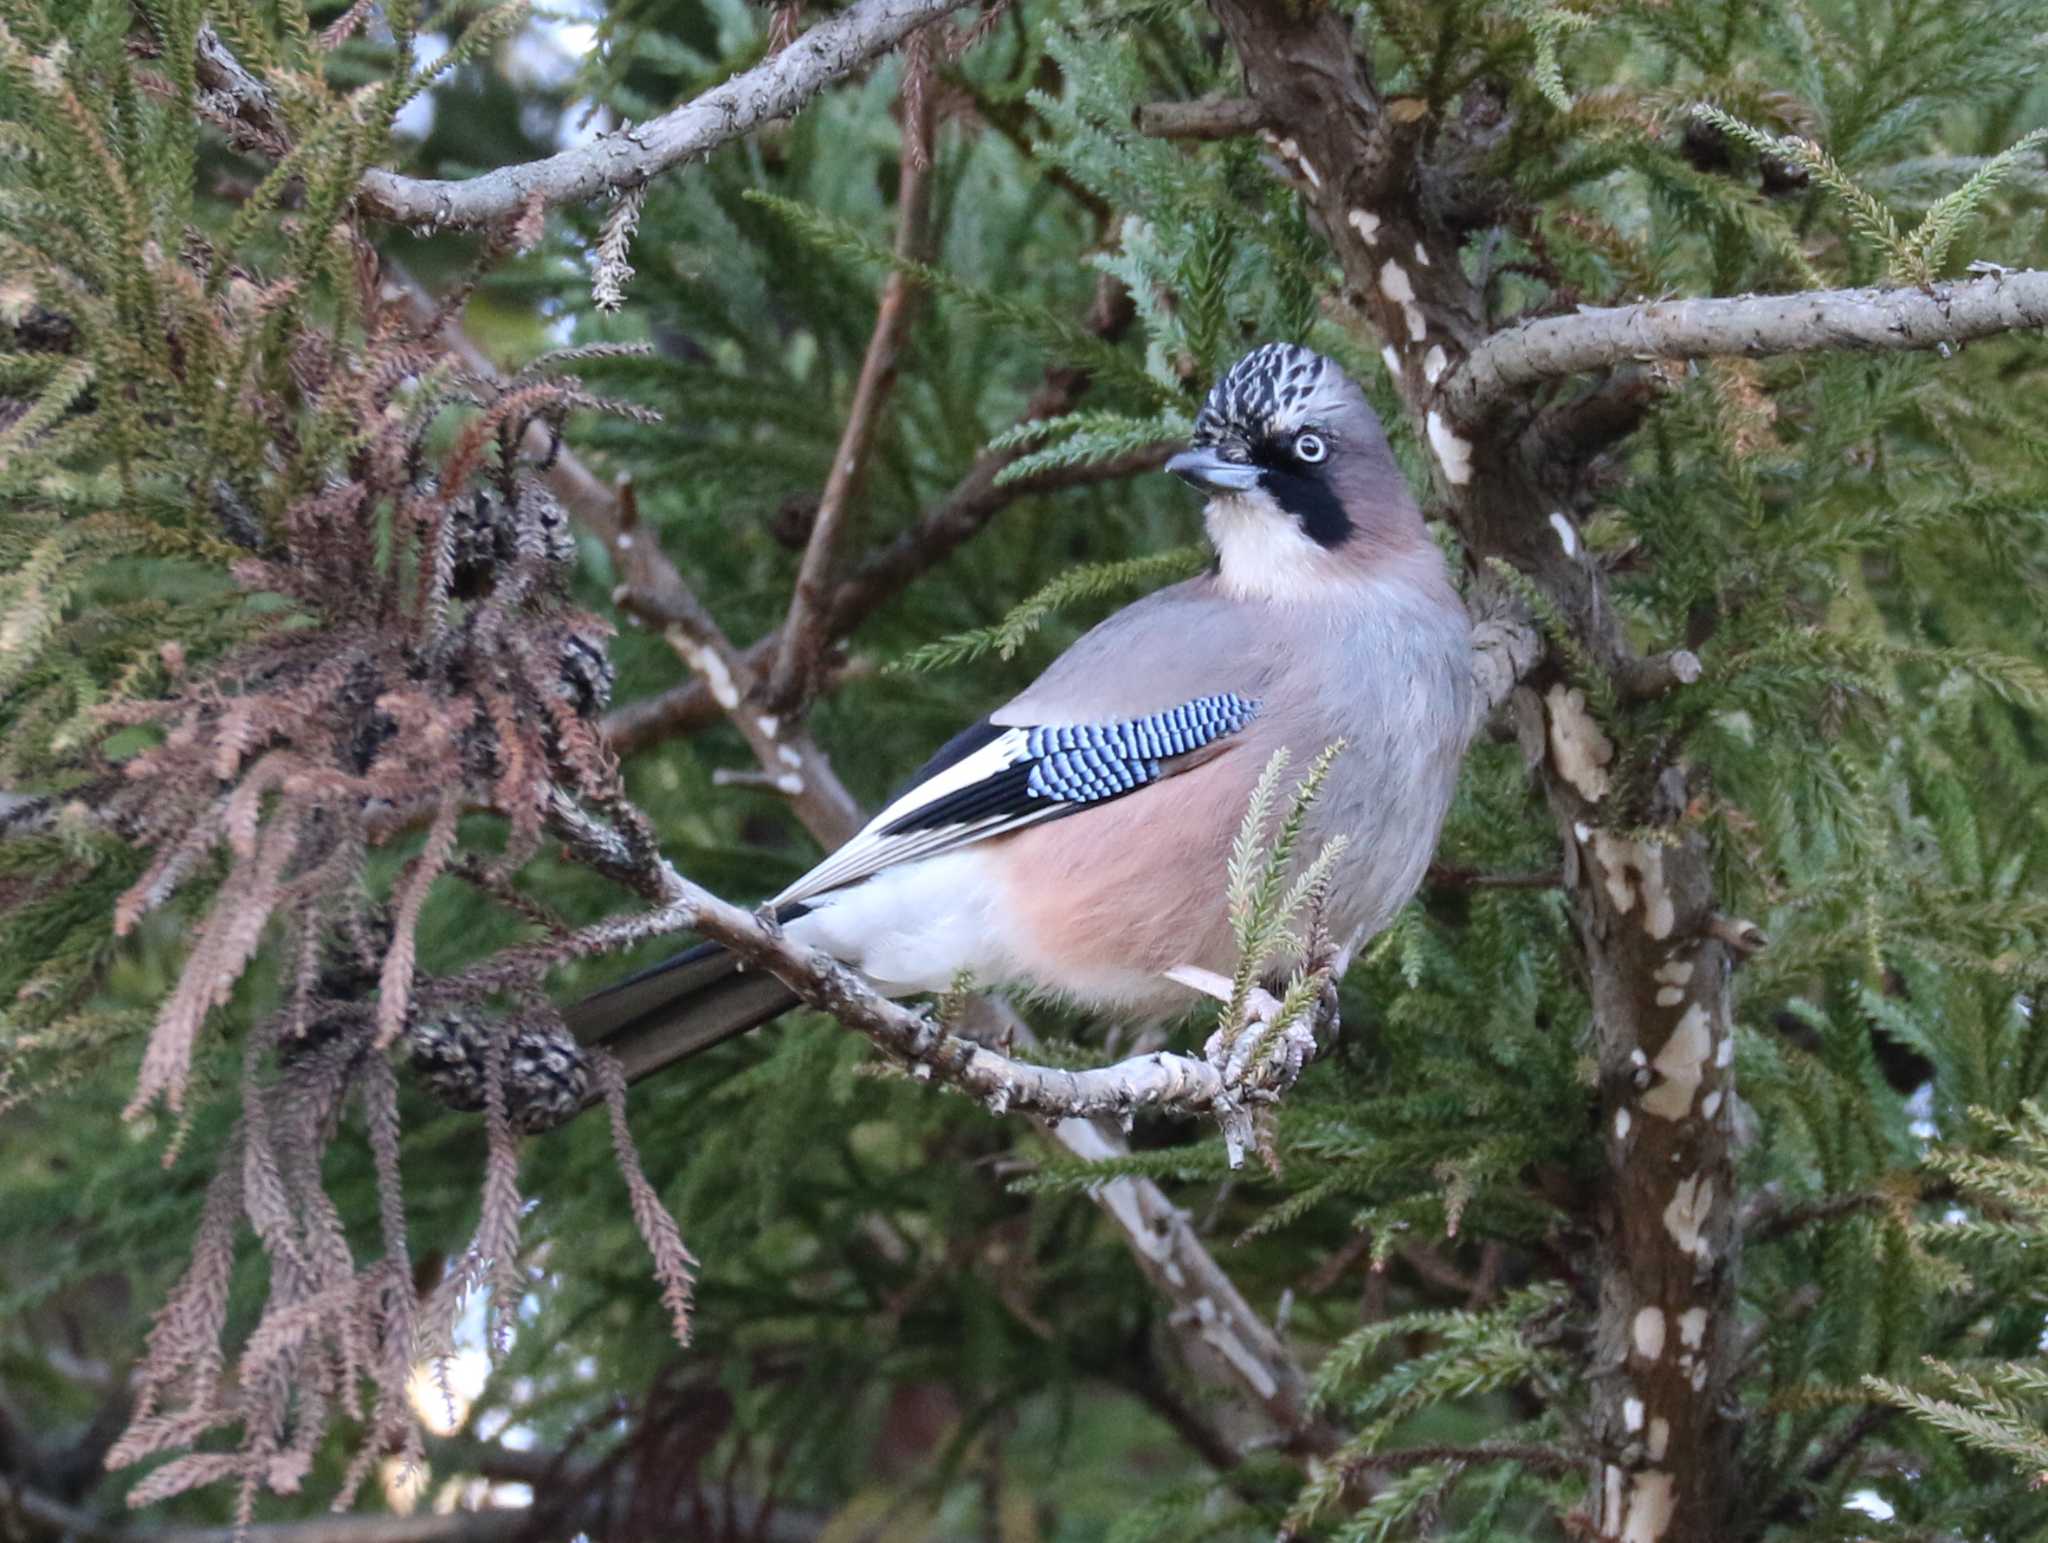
1310, 448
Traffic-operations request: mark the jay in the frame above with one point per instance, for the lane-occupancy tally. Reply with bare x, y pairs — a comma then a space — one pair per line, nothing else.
1075, 841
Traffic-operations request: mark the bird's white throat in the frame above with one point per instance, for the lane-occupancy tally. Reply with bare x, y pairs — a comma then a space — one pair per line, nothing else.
1262, 551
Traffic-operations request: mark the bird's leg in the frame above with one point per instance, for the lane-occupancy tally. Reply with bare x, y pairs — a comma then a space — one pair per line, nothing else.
1287, 1047
1263, 1003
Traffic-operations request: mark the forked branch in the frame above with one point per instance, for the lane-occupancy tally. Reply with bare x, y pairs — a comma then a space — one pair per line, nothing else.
1751, 326
629, 157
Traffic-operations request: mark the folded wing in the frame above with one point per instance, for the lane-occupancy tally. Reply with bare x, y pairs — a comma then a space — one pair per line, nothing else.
997, 778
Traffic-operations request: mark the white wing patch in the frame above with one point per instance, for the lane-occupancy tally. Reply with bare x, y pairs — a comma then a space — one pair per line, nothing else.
1022, 775
874, 849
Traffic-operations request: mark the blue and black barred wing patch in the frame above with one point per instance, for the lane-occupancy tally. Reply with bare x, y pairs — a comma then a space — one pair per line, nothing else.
992, 780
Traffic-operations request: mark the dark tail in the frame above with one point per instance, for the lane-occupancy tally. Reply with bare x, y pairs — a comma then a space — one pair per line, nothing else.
680, 1007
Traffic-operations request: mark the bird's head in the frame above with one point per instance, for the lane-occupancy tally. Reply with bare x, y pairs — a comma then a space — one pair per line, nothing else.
1302, 483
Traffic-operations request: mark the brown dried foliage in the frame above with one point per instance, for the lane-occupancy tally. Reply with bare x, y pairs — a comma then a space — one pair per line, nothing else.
424, 664
1748, 413
446, 674
674, 1266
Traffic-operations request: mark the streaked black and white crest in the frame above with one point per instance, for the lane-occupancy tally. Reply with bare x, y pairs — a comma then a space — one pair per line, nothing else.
1270, 390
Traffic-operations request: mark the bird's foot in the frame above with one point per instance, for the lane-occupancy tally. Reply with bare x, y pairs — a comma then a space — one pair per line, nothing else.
1264, 1052
1255, 1061
1261, 1056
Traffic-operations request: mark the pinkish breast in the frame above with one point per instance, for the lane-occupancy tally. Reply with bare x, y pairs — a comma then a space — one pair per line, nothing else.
1100, 921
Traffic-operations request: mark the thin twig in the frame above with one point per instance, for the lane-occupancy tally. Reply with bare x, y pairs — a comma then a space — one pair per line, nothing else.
807, 635
1533, 1455
652, 588
957, 519
45, 1515
1769, 1218
686, 707
1445, 877
1846, 1441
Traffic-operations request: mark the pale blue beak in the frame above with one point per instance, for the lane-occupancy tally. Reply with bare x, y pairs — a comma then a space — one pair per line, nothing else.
1210, 472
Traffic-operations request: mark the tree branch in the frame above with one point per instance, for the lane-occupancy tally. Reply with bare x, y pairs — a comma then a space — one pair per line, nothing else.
1209, 117
1079, 1111
1230, 1343
1210, 1309
886, 571
1397, 205
1536, 1456
688, 707
775, 88
952, 523
1752, 326
1214, 1314
1505, 647
42, 1517
915, 1040
652, 588
1644, 678
244, 108
807, 634
1225, 1339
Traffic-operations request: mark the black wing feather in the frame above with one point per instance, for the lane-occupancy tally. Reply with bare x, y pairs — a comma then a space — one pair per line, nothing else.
1030, 775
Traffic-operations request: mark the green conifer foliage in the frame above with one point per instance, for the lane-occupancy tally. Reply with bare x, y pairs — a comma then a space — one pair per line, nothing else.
301, 660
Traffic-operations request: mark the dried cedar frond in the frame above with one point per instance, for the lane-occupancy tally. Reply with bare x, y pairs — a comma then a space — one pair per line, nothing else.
387, 648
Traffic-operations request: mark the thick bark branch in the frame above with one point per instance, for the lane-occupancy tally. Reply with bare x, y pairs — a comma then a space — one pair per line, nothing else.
1214, 1321
244, 108
1391, 200
1504, 649
629, 157
1752, 326
1653, 675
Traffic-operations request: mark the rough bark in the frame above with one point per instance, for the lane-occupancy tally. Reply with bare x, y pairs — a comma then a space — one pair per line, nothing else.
1939, 316
1658, 976
1225, 117
629, 157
